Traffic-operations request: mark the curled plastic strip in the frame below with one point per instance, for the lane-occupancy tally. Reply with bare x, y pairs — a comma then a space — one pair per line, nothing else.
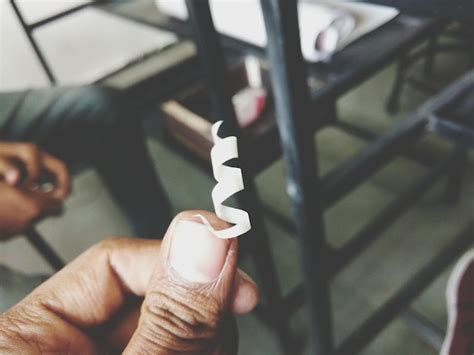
229, 182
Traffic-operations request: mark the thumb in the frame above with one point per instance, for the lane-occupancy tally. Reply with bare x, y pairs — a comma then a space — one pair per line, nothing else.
186, 305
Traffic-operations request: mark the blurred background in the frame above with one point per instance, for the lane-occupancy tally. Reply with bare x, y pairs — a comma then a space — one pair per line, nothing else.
142, 49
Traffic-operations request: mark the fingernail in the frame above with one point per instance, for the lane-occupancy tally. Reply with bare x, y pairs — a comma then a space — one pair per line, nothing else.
196, 254
11, 177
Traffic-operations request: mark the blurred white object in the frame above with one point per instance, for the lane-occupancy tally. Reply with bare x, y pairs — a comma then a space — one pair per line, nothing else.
325, 26
319, 42
249, 104
80, 54
174, 8
254, 72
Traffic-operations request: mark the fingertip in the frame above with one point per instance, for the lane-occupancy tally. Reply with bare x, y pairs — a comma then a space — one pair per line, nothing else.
246, 294
61, 193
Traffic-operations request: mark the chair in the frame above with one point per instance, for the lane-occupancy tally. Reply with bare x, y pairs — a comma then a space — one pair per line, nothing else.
263, 143
461, 37
311, 194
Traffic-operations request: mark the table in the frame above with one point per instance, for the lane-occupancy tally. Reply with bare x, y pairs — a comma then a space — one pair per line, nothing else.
347, 69
461, 10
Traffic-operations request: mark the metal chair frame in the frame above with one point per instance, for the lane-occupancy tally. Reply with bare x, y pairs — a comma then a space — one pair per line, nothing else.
311, 194
428, 54
320, 262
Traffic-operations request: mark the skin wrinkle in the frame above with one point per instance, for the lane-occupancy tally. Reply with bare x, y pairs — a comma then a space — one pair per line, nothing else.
55, 306
112, 265
12, 330
102, 254
32, 340
171, 341
180, 292
183, 310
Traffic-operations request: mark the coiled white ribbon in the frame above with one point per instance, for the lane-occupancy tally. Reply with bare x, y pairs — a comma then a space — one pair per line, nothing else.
229, 182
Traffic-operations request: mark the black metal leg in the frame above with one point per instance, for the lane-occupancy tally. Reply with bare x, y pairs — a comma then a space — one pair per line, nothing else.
428, 67
471, 51
288, 74
331, 111
394, 98
44, 249
258, 244
34, 45
406, 294
213, 63
456, 177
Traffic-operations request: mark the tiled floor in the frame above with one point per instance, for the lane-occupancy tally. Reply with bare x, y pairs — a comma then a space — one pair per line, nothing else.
91, 215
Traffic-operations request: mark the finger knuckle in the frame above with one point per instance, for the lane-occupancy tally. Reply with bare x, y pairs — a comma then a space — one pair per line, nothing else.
180, 319
107, 246
104, 246
111, 243
29, 149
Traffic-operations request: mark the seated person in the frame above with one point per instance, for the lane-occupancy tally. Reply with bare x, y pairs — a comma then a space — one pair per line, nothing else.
96, 125
64, 126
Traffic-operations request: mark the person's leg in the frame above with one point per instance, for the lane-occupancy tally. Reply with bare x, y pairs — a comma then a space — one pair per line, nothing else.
97, 125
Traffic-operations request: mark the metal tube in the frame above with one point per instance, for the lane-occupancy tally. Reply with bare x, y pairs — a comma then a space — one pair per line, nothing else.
44, 249
340, 181
393, 211
407, 294
216, 74
57, 16
28, 33
292, 103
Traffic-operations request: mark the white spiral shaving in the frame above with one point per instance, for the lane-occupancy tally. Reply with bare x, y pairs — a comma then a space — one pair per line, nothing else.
229, 182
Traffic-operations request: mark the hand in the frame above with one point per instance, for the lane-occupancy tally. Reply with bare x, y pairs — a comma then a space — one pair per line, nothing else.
34, 161
95, 304
20, 208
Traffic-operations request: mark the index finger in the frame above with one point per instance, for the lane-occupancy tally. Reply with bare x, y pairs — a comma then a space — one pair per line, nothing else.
88, 291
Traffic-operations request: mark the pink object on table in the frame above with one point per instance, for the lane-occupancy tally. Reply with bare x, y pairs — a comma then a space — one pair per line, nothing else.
249, 104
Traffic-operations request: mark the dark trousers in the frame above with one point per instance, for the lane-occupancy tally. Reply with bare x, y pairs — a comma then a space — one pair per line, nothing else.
96, 125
